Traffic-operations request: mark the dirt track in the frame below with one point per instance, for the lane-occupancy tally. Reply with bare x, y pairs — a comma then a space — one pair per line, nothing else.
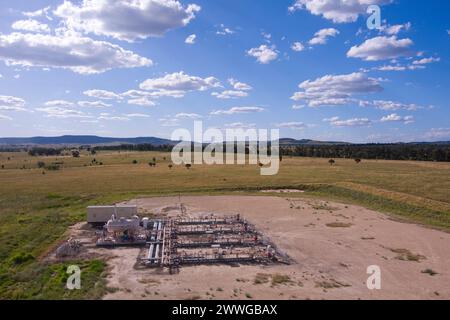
333, 244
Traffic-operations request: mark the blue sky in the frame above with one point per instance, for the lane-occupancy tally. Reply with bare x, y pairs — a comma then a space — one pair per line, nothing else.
313, 71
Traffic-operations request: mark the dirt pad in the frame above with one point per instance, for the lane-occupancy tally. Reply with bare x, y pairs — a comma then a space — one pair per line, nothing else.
333, 245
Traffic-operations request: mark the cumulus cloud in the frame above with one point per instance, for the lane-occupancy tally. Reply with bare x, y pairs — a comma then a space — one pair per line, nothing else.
58, 103
321, 36
333, 90
31, 25
239, 85
223, 31
191, 39
137, 115
339, 11
126, 19
237, 110
38, 13
59, 112
188, 116
396, 118
392, 105
240, 125
240, 90
297, 47
381, 48
292, 125
102, 94
426, 61
396, 29
142, 101
9, 103
230, 94
79, 54
438, 133
264, 54
93, 104
169, 122
3, 117
179, 83
109, 117
355, 122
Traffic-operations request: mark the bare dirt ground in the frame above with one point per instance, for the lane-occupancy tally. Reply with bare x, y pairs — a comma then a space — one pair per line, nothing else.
332, 244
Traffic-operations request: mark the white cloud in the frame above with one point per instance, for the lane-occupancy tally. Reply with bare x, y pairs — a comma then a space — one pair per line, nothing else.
333, 90
297, 46
393, 106
169, 122
179, 83
79, 54
264, 54
355, 122
9, 103
3, 117
31, 25
396, 118
102, 94
237, 110
126, 19
298, 106
191, 39
240, 125
107, 117
38, 13
438, 133
239, 85
396, 29
321, 36
188, 116
59, 103
230, 94
59, 112
93, 104
381, 48
339, 11
426, 61
142, 101
224, 31
293, 125
137, 115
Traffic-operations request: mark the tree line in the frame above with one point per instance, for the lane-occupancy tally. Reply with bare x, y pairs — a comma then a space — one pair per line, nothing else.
415, 152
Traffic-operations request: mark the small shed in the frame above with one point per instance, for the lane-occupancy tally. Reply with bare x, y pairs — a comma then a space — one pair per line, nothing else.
99, 215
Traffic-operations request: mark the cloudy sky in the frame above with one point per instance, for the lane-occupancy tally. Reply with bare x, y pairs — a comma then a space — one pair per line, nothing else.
312, 68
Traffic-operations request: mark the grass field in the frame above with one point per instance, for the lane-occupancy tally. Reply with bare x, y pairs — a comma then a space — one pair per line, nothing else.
37, 205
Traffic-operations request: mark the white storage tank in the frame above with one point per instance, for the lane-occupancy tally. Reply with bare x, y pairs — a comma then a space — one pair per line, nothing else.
100, 215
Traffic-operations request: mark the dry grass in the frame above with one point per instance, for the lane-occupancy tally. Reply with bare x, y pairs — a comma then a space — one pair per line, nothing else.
407, 255
36, 208
339, 225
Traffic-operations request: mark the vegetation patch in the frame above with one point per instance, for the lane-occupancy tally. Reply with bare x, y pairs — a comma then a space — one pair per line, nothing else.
331, 284
339, 225
407, 255
431, 272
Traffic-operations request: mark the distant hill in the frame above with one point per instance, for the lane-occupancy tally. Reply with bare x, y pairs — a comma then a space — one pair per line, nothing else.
82, 140
72, 140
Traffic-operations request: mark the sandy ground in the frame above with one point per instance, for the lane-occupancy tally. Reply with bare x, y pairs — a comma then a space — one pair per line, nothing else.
333, 245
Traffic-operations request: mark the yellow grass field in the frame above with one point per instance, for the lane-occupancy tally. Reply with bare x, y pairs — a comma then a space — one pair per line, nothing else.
37, 205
